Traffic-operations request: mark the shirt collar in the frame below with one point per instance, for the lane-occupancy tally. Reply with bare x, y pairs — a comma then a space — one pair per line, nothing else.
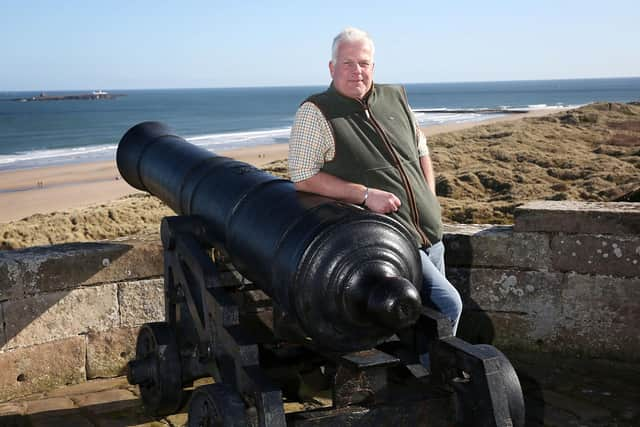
365, 98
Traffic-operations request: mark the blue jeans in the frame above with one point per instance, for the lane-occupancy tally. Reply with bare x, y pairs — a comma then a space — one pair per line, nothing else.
437, 292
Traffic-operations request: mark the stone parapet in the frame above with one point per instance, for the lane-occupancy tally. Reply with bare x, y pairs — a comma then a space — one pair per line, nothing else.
571, 313
57, 315
71, 312
597, 254
601, 315
108, 352
42, 367
578, 217
141, 302
565, 278
67, 266
496, 246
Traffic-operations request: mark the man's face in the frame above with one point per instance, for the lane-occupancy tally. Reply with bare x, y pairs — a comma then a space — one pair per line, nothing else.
353, 71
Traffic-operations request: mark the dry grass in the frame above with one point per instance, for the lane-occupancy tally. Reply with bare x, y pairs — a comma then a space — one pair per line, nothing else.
588, 154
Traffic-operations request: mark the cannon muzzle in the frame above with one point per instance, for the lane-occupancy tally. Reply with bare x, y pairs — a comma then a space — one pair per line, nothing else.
346, 275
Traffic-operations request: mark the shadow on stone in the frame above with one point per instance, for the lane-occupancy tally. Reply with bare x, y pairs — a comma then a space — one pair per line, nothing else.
122, 413
38, 278
50, 297
476, 327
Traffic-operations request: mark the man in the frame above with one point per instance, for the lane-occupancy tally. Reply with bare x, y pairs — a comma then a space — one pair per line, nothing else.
358, 142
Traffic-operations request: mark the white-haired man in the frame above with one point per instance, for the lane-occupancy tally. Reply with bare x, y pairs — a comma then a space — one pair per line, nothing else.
358, 142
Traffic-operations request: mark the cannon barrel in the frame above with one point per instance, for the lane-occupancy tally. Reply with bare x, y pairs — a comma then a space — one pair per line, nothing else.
347, 276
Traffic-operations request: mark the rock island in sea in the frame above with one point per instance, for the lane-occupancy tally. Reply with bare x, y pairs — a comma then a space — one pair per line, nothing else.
96, 94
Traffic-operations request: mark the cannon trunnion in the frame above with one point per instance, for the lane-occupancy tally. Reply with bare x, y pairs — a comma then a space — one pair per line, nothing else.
302, 294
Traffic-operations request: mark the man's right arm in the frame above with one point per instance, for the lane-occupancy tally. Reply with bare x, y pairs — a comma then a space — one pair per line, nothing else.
331, 186
311, 144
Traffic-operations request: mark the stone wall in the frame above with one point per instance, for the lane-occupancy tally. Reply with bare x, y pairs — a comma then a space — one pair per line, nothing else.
71, 312
565, 277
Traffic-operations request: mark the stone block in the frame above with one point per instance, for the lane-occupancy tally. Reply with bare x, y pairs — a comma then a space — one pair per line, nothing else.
29, 370
51, 404
496, 246
509, 308
527, 292
579, 217
597, 254
504, 330
92, 386
107, 401
47, 317
51, 268
11, 283
141, 302
593, 315
600, 316
108, 352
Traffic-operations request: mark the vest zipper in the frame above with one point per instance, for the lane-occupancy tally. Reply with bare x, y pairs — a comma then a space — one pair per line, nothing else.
413, 207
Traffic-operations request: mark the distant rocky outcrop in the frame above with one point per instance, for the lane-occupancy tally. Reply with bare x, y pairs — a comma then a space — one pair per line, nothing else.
81, 96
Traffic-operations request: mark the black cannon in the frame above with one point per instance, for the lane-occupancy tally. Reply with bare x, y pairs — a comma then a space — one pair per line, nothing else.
262, 281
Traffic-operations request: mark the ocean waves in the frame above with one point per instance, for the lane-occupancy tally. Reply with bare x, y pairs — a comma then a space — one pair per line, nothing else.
227, 141
217, 142
213, 142
440, 116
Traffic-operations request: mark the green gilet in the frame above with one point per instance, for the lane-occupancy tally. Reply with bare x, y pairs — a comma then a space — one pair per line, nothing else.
376, 146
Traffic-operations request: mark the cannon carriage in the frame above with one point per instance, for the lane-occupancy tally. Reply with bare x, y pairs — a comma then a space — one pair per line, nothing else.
280, 296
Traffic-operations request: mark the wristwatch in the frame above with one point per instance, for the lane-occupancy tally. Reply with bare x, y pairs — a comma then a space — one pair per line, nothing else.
366, 196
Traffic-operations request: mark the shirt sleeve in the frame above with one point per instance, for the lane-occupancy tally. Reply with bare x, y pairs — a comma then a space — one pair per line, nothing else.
423, 148
310, 144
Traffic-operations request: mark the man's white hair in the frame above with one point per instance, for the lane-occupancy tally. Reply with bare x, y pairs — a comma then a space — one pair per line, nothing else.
350, 34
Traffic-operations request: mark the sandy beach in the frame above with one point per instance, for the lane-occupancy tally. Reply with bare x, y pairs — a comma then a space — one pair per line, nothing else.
50, 189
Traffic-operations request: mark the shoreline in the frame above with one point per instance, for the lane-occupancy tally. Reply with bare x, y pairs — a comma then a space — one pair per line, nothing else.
24, 192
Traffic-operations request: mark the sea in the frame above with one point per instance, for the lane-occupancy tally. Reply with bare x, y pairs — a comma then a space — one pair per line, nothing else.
44, 133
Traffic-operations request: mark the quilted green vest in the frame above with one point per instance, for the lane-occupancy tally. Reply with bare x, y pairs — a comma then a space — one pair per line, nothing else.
376, 146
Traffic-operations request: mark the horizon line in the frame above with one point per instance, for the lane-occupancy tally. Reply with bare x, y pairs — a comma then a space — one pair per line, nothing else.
318, 84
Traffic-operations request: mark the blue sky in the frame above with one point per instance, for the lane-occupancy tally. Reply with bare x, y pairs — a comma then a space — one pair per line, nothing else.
64, 45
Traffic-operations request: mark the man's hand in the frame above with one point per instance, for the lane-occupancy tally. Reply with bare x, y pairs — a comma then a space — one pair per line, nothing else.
382, 201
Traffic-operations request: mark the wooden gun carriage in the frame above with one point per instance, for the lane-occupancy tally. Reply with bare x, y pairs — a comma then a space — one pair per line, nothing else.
303, 310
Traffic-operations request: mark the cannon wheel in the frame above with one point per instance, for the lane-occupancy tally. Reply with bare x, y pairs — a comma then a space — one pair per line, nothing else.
161, 393
512, 387
216, 405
